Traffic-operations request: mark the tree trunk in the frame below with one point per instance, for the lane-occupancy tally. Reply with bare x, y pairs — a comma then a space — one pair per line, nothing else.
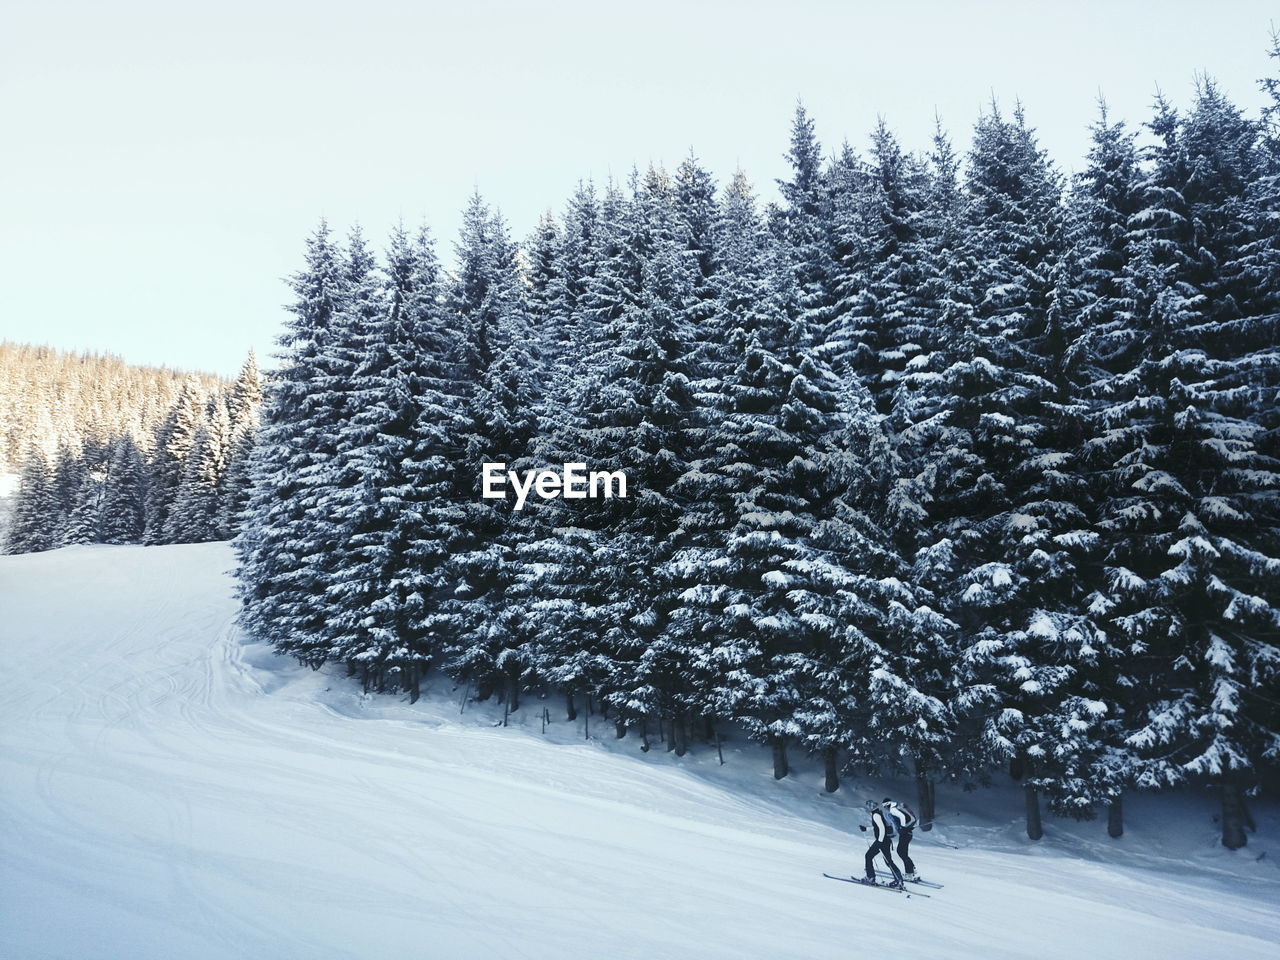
926, 798
1016, 766
513, 693
415, 681
570, 709
1233, 815
621, 726
681, 735
832, 771
1115, 817
644, 734
1034, 829
709, 729
780, 768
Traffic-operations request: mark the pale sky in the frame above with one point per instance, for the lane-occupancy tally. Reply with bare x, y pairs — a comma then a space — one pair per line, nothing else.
163, 161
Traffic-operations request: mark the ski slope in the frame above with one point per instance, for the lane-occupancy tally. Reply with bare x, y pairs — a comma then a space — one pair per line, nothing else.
170, 791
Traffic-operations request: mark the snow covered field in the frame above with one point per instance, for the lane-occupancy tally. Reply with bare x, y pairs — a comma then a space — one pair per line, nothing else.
169, 791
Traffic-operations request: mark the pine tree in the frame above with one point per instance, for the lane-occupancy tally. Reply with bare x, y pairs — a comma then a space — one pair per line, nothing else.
1258, 267
774, 654
84, 521
173, 445
624, 411
807, 225
749, 632
694, 203
750, 301
396, 506
878, 330
124, 494
69, 467
561, 322
195, 514
501, 343
545, 296
485, 291
1000, 497
1190, 514
286, 536
1085, 761
31, 525
487, 641
927, 294
244, 405
244, 401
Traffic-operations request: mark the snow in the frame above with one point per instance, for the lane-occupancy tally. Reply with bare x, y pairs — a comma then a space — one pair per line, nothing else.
1000, 575
169, 790
1042, 626
1022, 522
1193, 546
1219, 508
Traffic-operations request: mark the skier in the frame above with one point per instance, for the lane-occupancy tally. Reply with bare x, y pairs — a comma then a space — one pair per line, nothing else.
904, 822
882, 830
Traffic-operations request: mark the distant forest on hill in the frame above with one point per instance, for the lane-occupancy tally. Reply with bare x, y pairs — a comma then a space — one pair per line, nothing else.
53, 398
109, 452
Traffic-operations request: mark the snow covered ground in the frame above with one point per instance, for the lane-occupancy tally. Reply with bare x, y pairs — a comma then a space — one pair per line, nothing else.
169, 791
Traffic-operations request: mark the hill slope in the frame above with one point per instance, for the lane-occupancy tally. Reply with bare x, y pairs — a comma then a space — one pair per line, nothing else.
167, 790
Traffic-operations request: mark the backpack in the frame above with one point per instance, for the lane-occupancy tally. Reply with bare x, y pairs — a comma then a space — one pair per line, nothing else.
909, 817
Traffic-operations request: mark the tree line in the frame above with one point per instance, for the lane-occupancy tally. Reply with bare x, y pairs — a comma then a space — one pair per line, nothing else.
53, 398
942, 464
122, 469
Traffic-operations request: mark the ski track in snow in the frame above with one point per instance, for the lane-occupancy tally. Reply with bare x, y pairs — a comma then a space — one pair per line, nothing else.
169, 791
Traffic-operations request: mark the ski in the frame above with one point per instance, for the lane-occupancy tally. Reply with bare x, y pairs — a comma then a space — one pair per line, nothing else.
923, 883
878, 886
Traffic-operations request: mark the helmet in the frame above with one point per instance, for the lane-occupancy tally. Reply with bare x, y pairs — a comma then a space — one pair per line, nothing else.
871, 805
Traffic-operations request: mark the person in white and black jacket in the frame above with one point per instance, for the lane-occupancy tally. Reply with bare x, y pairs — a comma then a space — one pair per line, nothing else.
904, 824
882, 831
